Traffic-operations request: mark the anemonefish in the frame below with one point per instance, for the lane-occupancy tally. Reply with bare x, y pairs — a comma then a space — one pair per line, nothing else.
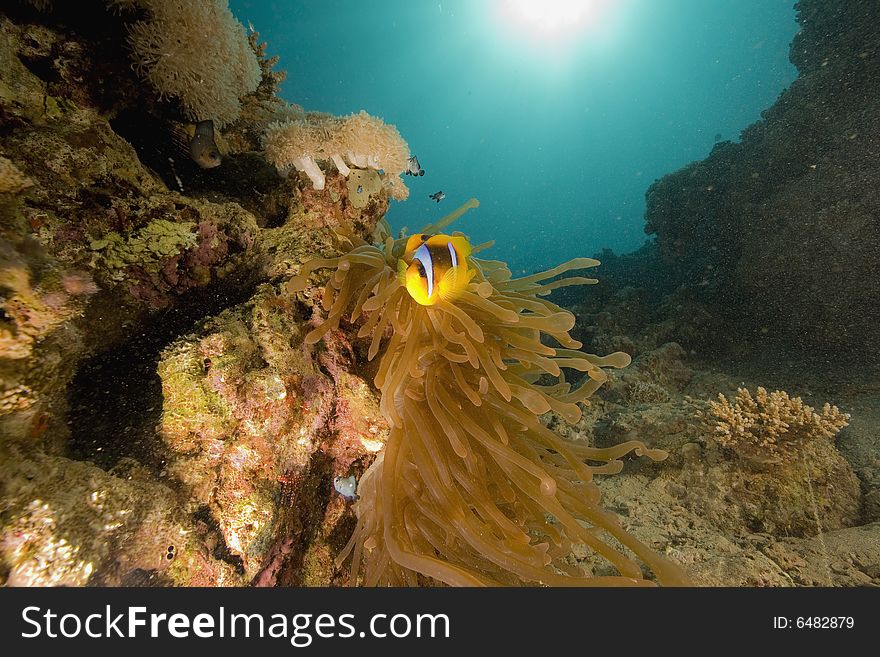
434, 267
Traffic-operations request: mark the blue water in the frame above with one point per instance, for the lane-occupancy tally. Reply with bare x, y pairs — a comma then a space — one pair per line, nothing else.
558, 134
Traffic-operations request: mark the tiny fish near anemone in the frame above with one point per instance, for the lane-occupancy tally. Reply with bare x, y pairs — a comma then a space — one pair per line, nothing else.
346, 486
413, 168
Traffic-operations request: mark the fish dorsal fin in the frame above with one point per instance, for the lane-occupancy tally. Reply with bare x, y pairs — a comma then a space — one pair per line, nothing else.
461, 245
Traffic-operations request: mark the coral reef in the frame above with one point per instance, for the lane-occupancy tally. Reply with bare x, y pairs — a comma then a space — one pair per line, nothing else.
766, 462
103, 271
248, 420
793, 482
68, 523
165, 420
771, 428
762, 268
168, 257
12, 181
262, 107
731, 519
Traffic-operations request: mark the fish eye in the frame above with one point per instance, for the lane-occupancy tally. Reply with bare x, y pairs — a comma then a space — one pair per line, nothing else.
214, 154
425, 238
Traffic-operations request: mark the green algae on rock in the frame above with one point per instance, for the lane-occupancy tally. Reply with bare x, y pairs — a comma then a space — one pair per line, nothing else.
158, 240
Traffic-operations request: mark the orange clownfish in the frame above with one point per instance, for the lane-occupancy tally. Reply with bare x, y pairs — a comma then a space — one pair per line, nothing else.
434, 267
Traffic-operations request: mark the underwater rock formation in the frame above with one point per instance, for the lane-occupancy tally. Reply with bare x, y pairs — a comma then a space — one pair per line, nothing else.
112, 250
69, 523
256, 429
764, 267
787, 480
757, 519
767, 463
777, 233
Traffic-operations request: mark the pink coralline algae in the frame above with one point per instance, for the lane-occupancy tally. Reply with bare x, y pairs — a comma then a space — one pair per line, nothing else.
188, 269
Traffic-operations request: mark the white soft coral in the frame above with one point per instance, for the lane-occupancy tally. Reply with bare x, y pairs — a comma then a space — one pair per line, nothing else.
358, 140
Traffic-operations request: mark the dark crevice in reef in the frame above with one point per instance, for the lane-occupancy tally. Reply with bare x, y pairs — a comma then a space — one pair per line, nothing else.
42, 67
314, 485
162, 147
93, 48
221, 550
115, 399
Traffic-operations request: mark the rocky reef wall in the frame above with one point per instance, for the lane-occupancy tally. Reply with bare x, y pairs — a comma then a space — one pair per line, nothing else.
159, 421
762, 274
778, 234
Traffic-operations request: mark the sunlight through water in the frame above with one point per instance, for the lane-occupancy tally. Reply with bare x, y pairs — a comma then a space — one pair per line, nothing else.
555, 19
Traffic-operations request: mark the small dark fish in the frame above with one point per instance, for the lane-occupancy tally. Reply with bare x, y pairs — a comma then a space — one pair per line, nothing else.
413, 168
437, 196
202, 148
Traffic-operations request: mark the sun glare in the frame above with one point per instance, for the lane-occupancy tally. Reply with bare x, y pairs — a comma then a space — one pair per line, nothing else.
555, 19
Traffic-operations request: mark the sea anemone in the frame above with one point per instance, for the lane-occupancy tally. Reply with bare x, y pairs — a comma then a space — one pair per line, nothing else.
472, 489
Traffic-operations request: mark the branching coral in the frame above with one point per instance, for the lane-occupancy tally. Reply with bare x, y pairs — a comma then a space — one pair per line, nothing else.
771, 466
197, 52
358, 140
472, 489
772, 427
